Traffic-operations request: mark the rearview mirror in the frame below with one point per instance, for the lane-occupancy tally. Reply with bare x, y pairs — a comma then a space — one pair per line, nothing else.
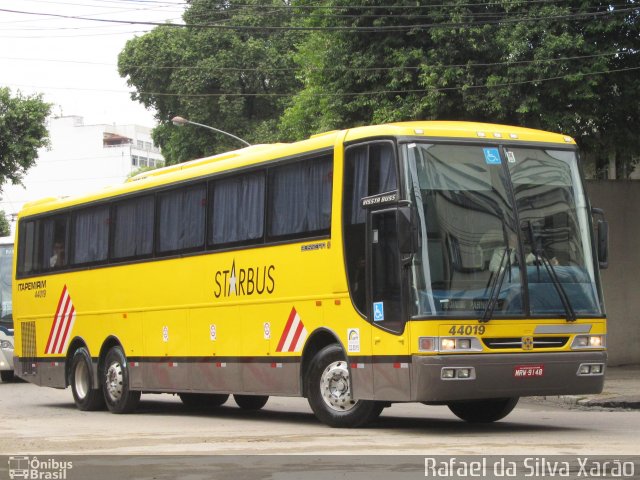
602, 238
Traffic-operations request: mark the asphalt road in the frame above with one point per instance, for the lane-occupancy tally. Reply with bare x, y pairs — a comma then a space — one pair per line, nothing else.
39, 420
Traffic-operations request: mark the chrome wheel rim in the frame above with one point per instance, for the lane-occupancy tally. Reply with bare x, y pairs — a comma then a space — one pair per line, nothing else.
81, 380
115, 381
336, 387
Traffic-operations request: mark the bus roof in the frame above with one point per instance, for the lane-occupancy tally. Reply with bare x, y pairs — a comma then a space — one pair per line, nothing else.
257, 154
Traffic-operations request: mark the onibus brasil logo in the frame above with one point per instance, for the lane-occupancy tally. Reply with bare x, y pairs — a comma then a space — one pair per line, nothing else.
38, 469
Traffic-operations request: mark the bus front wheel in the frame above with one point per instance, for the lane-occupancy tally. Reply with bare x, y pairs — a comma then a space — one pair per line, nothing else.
329, 392
115, 383
86, 398
483, 411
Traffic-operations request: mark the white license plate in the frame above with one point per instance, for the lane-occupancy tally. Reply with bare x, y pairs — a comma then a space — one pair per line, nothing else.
528, 371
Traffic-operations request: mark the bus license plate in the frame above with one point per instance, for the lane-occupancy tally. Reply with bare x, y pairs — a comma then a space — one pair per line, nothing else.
528, 371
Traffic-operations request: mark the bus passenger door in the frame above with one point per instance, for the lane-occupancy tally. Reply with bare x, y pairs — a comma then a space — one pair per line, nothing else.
386, 310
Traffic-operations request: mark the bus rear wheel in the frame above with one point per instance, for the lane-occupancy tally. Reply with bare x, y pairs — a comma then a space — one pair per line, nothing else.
251, 402
115, 383
328, 386
86, 398
483, 411
203, 400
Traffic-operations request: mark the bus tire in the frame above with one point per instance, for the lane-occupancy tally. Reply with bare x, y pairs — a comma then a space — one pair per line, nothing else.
329, 392
203, 400
7, 376
86, 398
115, 383
483, 411
251, 402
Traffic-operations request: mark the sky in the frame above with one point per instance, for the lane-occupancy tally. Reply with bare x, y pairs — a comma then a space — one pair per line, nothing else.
74, 62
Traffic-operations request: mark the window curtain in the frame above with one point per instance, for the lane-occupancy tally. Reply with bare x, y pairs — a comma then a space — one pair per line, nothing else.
301, 197
91, 235
238, 209
133, 234
181, 219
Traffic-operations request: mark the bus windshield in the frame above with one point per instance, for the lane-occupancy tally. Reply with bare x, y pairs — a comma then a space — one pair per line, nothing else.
518, 235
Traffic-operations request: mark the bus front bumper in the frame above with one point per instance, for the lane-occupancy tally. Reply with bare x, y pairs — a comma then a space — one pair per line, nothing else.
504, 375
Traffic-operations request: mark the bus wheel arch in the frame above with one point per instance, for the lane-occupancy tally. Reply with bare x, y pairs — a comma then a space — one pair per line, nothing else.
318, 340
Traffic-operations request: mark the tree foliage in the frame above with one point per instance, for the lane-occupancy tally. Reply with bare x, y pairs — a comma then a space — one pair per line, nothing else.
23, 131
5, 226
231, 80
569, 66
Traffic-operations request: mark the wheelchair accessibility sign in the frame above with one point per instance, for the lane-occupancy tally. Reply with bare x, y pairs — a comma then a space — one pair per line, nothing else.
492, 156
378, 311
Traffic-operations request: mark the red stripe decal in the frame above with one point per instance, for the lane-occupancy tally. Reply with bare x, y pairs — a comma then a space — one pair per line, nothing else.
55, 316
66, 329
62, 319
294, 342
283, 338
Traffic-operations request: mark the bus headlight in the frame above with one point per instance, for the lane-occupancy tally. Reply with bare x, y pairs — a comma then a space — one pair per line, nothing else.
447, 344
588, 341
426, 344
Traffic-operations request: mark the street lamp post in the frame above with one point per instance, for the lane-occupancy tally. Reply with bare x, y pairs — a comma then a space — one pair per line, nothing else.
183, 121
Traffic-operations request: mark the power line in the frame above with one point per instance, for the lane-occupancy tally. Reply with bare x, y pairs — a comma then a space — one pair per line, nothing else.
328, 69
341, 94
368, 29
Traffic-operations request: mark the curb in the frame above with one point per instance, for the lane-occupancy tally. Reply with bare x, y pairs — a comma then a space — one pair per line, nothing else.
614, 402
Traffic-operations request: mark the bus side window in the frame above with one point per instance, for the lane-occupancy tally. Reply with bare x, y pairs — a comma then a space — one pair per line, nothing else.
54, 242
133, 228
28, 261
369, 170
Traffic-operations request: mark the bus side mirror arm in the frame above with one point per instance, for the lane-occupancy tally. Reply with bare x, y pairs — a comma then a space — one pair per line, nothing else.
602, 238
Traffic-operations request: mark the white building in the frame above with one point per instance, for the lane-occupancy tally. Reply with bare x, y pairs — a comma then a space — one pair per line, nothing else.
82, 158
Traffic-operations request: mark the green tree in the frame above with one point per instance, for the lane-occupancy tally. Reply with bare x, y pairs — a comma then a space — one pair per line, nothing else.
23, 131
5, 226
230, 79
570, 67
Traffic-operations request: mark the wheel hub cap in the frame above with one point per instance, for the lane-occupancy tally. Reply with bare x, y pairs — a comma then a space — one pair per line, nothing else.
114, 381
336, 388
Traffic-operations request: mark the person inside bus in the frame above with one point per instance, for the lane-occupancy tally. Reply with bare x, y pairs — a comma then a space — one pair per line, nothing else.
57, 259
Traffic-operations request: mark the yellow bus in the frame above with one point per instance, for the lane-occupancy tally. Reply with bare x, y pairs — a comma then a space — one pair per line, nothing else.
438, 262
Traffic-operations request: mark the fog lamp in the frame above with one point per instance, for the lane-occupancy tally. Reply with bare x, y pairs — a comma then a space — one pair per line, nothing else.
585, 369
448, 373
596, 369
464, 373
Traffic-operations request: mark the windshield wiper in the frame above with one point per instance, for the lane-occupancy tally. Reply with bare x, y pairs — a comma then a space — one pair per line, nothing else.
496, 285
541, 257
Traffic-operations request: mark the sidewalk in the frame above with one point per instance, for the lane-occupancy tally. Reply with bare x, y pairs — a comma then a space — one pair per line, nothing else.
621, 390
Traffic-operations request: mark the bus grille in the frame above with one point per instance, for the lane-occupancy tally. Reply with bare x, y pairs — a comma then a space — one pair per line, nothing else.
516, 342
29, 356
